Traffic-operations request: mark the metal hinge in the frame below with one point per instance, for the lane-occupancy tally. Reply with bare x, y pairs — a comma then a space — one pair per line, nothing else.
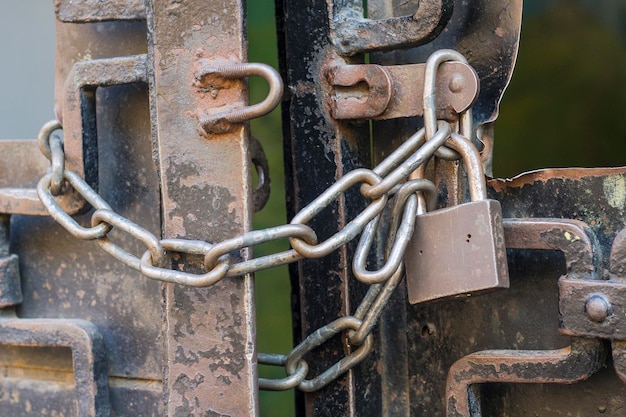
597, 308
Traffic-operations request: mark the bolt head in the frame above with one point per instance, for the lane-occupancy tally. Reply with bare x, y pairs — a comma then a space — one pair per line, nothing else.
597, 308
456, 83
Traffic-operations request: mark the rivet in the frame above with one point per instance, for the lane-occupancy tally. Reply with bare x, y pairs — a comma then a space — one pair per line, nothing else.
597, 308
456, 83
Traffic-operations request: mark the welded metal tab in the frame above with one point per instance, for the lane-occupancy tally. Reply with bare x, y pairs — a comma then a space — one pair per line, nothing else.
388, 92
209, 335
84, 11
593, 308
26, 164
574, 238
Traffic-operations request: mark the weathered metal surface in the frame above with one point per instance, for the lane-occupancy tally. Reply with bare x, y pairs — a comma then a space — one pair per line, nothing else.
617, 258
54, 393
594, 197
82, 337
208, 333
23, 160
617, 272
562, 366
353, 34
568, 365
75, 43
572, 237
593, 308
64, 280
79, 107
88, 355
317, 153
489, 39
591, 195
25, 163
80, 145
210, 79
10, 290
395, 91
84, 11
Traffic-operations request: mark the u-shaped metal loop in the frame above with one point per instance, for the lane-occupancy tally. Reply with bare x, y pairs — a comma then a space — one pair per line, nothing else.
223, 121
354, 34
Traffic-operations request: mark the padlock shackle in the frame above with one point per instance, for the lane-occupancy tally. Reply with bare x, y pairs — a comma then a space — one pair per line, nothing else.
473, 165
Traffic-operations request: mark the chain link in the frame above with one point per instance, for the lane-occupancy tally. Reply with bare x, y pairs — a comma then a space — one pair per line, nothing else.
384, 186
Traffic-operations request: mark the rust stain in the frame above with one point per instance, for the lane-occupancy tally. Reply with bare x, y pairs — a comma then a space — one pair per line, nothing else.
544, 175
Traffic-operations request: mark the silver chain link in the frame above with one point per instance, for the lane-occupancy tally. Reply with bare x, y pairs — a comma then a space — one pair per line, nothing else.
383, 186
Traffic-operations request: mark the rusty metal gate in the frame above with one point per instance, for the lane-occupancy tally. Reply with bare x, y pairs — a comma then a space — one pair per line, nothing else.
126, 263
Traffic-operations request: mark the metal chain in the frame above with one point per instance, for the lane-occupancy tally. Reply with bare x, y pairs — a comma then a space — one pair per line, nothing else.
384, 186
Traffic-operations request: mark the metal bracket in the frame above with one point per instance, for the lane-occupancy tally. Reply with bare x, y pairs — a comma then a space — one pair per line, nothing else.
388, 92
20, 157
355, 34
79, 107
88, 355
593, 308
562, 366
598, 308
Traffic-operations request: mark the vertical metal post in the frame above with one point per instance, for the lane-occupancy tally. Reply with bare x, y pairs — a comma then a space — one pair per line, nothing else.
319, 151
210, 365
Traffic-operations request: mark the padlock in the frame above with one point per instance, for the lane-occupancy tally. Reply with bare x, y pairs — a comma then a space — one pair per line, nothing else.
458, 251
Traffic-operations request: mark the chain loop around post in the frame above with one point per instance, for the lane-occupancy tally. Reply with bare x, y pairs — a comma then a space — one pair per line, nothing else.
180, 277
108, 217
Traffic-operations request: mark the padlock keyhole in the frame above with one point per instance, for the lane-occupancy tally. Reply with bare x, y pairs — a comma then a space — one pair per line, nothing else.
469, 236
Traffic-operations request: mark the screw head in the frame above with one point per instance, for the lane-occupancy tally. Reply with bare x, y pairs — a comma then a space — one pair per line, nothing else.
597, 308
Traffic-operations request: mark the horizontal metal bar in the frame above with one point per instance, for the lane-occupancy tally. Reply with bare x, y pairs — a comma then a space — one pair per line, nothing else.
22, 165
389, 92
592, 308
85, 11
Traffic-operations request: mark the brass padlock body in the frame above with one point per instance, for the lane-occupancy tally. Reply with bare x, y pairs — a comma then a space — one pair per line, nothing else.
457, 252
